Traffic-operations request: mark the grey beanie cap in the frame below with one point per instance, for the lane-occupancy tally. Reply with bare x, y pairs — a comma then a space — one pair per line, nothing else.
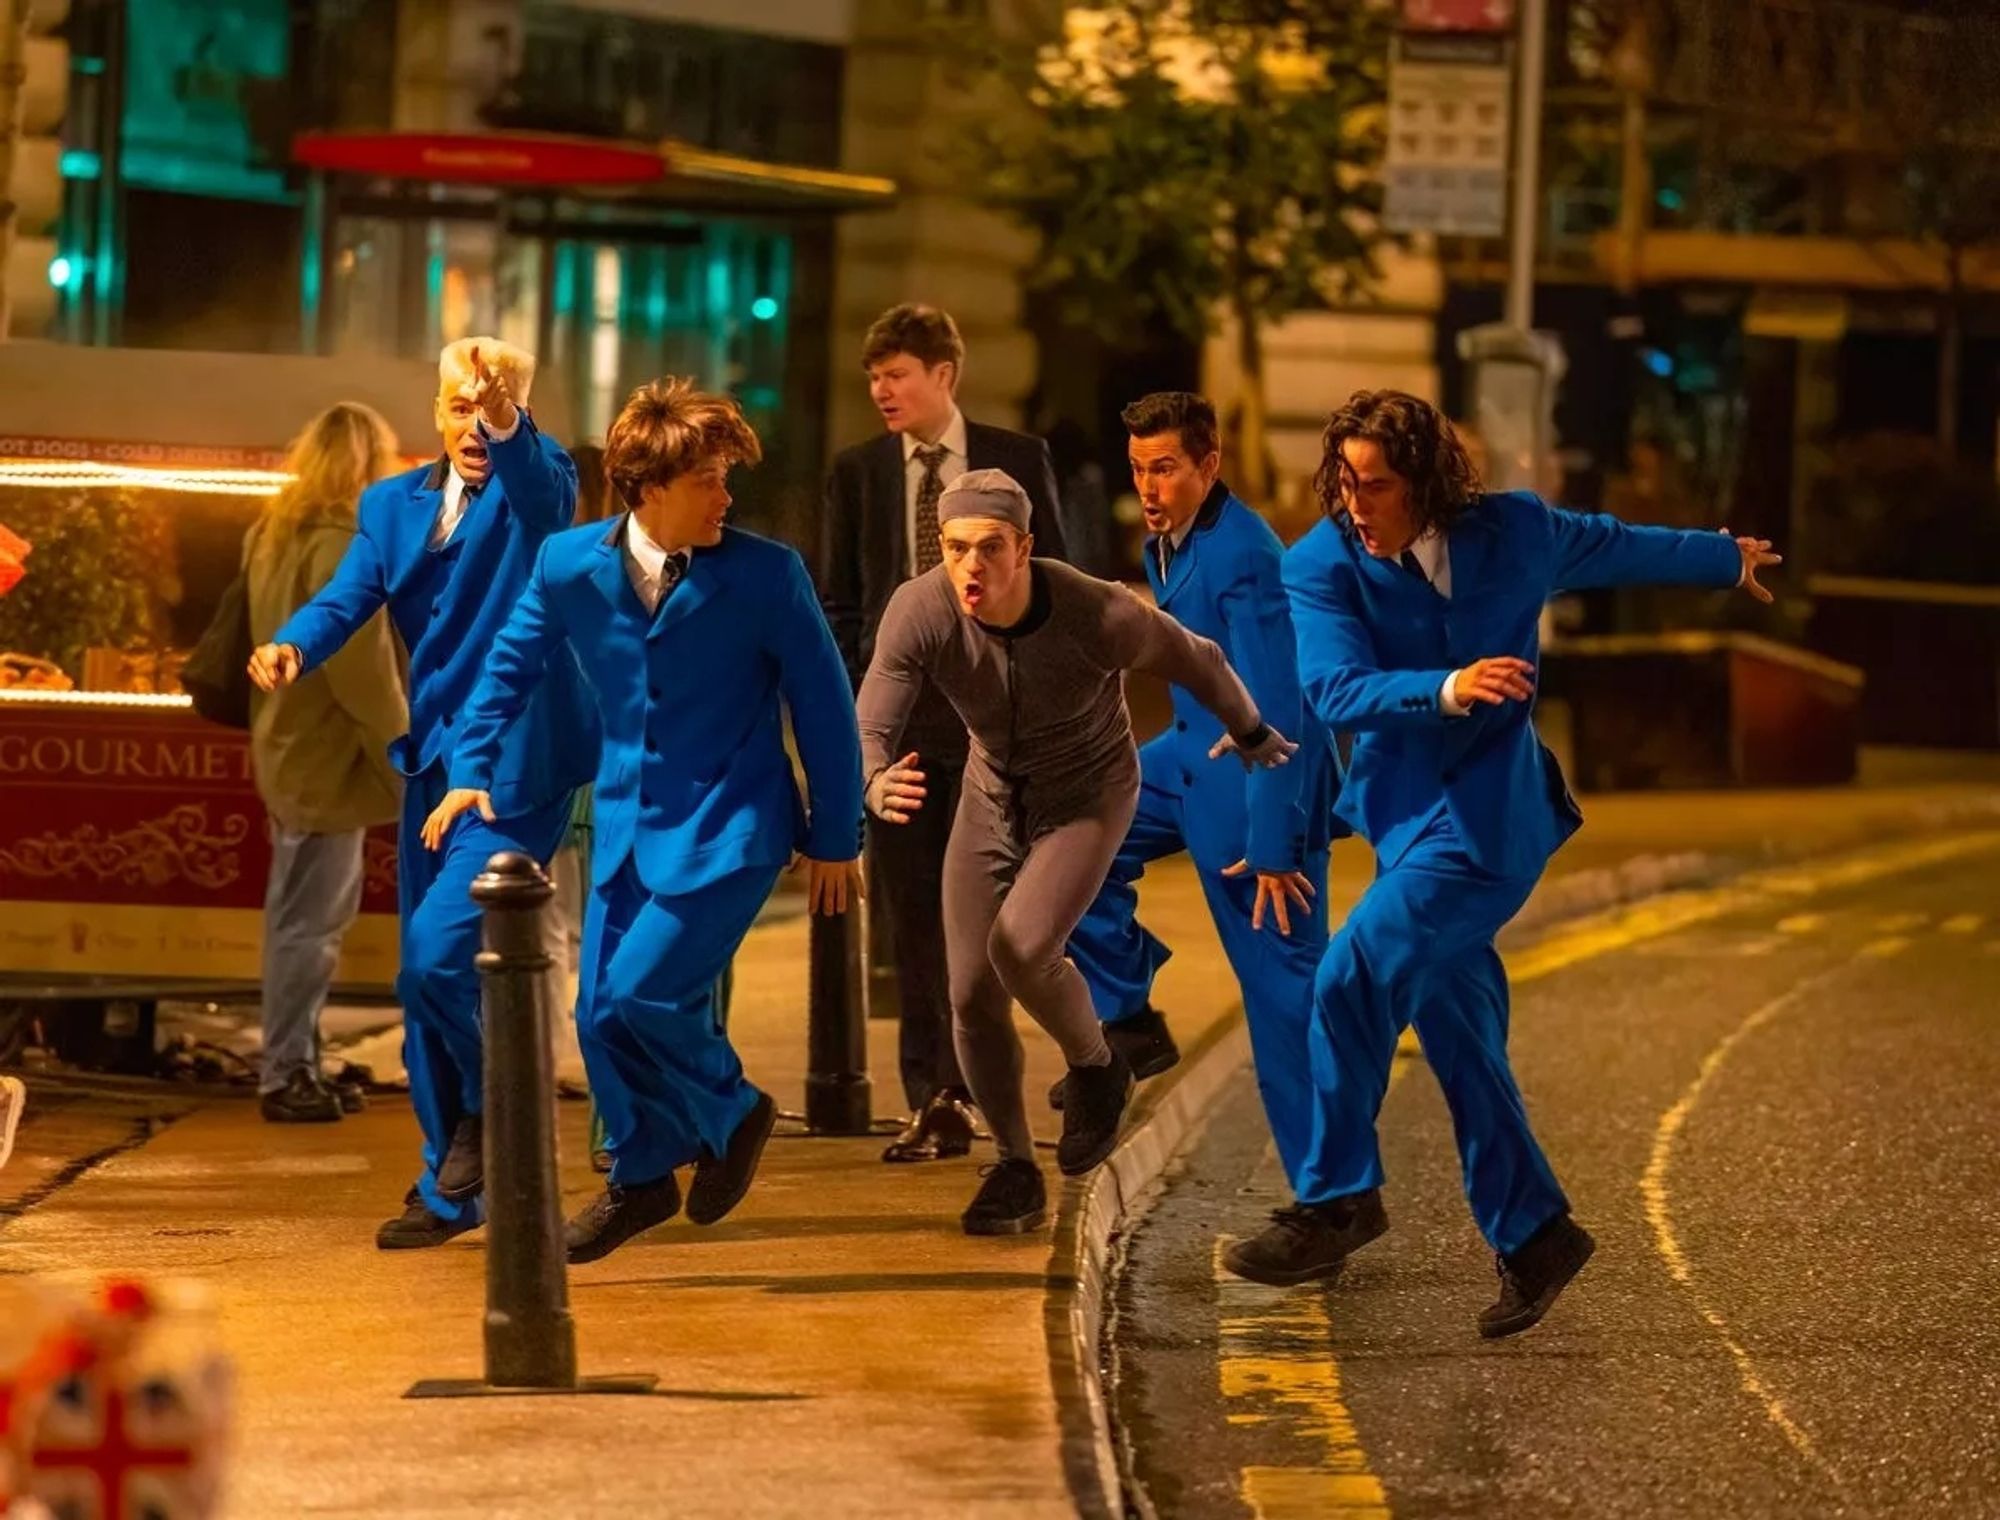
986, 493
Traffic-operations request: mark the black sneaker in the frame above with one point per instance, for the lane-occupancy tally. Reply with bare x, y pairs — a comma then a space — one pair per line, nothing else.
304, 1099
463, 1172
721, 1181
418, 1227
1010, 1201
1092, 1108
1143, 1040
618, 1213
1534, 1276
1308, 1241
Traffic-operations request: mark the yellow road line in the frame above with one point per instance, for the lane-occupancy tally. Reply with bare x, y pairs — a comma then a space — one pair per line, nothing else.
1666, 1240
1802, 923
1962, 923
1619, 928
1882, 949
1896, 923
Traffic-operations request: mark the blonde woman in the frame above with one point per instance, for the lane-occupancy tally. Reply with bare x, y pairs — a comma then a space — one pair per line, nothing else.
319, 747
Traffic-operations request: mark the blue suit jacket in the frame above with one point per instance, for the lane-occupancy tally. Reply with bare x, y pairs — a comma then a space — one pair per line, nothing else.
1226, 584
1376, 643
694, 782
450, 603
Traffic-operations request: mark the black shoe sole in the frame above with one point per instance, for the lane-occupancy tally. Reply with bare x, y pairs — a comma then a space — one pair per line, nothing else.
1020, 1224
1531, 1316
704, 1211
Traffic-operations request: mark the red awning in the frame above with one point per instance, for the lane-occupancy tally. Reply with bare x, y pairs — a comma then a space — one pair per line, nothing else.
666, 170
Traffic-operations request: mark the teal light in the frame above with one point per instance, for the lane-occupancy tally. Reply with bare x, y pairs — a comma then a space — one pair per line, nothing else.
763, 308
81, 163
62, 271
1670, 199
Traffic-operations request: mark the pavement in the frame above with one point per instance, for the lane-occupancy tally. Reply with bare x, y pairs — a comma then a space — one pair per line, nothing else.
836, 1347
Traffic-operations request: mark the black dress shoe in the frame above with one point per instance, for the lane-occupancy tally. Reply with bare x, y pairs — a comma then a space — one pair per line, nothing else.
304, 1099
618, 1213
1309, 1240
1533, 1277
942, 1128
1143, 1040
1093, 1106
463, 1172
417, 1227
721, 1181
1011, 1200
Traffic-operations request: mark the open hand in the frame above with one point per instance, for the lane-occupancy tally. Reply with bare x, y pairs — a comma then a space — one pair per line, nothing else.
1271, 749
1500, 679
897, 791
274, 665
1757, 555
456, 801
1278, 890
831, 884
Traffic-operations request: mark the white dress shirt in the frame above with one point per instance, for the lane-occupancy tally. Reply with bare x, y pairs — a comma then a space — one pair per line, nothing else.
1178, 537
1431, 558
454, 486
950, 468
646, 564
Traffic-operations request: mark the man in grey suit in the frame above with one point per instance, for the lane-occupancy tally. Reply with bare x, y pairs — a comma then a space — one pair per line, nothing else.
879, 528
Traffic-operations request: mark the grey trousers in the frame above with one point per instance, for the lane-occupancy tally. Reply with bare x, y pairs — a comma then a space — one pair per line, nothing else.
1009, 907
312, 896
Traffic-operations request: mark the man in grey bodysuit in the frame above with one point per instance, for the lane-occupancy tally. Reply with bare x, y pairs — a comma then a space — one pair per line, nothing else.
1032, 655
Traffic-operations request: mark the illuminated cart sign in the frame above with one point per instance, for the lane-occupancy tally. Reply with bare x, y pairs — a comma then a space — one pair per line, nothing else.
133, 843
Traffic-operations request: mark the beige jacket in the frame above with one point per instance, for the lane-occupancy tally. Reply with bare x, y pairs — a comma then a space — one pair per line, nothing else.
320, 747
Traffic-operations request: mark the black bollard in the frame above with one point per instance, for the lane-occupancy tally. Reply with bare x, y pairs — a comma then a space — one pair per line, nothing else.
530, 1338
837, 1094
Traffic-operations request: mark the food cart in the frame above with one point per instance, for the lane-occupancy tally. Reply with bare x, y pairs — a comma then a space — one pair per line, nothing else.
133, 844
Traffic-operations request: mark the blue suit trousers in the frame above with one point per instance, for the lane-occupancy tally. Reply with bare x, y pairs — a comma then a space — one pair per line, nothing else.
1119, 958
667, 1082
1418, 948
437, 984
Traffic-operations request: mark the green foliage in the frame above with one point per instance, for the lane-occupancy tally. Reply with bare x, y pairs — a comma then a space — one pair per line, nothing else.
91, 578
1194, 155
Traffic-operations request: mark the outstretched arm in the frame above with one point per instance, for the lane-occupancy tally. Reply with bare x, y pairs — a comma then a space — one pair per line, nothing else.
335, 614
1142, 637
1594, 549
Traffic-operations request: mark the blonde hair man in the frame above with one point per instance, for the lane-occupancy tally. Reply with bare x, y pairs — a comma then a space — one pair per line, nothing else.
448, 548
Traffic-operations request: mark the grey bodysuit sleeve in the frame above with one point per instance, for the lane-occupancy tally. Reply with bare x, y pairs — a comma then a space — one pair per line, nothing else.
894, 680
1145, 638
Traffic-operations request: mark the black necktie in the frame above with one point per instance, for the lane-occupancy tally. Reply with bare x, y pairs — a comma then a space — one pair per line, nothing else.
1415, 566
929, 552
1166, 556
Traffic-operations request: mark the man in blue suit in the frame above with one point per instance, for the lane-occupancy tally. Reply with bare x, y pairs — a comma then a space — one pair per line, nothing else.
1258, 839
1416, 606
691, 635
448, 548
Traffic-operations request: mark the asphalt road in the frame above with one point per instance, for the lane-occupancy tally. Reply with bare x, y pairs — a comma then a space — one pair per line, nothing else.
1777, 1106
